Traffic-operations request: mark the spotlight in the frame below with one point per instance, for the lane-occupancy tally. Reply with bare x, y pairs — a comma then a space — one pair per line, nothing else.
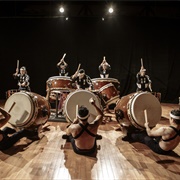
61, 9
67, 18
111, 10
103, 19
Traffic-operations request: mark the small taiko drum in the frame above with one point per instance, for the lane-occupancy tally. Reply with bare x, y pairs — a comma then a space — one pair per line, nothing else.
109, 94
10, 92
133, 106
27, 109
79, 98
100, 82
59, 83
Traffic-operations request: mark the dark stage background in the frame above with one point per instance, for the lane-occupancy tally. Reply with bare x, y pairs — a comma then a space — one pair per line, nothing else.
39, 42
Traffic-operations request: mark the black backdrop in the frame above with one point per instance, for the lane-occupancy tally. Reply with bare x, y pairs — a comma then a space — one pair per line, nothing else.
39, 43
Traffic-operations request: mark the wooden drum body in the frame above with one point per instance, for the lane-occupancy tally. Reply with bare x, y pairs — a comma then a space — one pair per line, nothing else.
80, 97
133, 106
109, 94
27, 109
59, 83
100, 82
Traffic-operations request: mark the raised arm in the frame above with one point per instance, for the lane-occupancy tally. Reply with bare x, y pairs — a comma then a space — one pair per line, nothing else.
59, 63
16, 73
74, 76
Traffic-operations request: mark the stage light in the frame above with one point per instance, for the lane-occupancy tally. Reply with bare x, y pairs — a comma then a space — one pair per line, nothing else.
67, 18
61, 9
111, 10
103, 19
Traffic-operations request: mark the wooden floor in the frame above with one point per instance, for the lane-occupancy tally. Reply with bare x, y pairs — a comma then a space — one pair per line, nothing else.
52, 158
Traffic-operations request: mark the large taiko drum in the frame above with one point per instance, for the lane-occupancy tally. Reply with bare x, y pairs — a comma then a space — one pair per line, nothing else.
100, 82
27, 109
109, 94
59, 83
133, 106
80, 97
10, 92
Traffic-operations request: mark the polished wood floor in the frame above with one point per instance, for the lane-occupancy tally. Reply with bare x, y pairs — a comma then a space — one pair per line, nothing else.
52, 158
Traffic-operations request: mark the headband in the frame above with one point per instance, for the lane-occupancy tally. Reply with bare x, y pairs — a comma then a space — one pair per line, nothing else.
85, 117
174, 117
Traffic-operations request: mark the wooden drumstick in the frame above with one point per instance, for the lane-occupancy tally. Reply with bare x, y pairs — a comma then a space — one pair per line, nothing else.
76, 118
17, 64
77, 107
145, 115
78, 67
64, 56
142, 63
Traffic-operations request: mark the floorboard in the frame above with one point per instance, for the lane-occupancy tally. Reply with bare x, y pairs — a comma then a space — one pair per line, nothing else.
51, 157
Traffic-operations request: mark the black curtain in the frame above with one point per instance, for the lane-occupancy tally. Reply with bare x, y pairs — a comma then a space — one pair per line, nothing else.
39, 43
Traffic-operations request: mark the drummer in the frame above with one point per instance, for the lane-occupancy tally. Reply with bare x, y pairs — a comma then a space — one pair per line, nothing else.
104, 69
62, 66
143, 81
82, 80
83, 135
23, 79
161, 140
7, 141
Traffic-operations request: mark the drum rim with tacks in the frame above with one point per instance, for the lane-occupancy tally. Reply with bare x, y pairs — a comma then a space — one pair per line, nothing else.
100, 82
113, 99
105, 79
62, 78
80, 97
24, 107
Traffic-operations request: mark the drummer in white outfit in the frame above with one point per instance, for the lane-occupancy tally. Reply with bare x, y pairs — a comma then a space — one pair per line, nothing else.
62, 66
104, 69
143, 81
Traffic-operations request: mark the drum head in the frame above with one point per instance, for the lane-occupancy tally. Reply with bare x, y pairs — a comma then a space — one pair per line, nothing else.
104, 79
59, 77
80, 97
20, 106
144, 101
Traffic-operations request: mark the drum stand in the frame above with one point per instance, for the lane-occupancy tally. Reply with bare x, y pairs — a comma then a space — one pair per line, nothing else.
56, 117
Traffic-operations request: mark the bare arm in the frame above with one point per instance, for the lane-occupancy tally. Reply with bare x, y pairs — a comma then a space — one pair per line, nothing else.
4, 119
155, 132
69, 130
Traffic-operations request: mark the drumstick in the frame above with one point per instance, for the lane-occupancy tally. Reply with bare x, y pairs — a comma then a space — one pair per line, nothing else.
77, 107
145, 115
11, 107
78, 67
17, 64
64, 56
142, 62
